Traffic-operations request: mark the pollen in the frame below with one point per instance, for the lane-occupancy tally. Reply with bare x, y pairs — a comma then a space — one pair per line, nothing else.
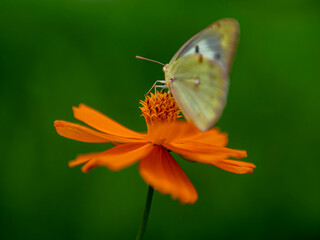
159, 108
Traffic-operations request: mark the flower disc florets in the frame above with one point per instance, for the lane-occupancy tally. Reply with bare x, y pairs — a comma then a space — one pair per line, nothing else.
159, 108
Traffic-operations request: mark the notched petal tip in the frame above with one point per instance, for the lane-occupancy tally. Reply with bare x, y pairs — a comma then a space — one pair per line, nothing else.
88, 166
79, 107
82, 158
58, 123
240, 154
235, 166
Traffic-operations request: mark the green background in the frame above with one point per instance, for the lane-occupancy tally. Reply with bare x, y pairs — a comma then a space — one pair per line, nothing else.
57, 54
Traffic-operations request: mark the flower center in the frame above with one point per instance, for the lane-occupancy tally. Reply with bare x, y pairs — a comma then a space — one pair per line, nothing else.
159, 108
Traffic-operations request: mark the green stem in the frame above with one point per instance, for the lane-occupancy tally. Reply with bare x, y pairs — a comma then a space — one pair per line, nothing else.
145, 214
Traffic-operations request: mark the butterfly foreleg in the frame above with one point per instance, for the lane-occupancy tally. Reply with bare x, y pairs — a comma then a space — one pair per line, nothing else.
155, 86
160, 86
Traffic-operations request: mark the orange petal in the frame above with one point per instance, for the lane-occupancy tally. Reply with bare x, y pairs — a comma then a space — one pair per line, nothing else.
234, 166
82, 158
212, 136
161, 171
172, 131
84, 134
180, 130
80, 133
188, 132
103, 123
120, 156
202, 152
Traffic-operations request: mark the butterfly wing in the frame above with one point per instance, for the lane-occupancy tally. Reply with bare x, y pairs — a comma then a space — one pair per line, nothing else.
199, 86
217, 42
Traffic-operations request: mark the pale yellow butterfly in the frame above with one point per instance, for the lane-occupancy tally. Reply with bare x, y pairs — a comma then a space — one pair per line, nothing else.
197, 75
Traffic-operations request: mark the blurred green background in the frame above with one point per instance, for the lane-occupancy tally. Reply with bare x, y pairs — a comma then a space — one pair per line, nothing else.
57, 54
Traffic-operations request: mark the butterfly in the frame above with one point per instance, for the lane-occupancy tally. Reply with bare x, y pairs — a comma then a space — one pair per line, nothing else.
198, 74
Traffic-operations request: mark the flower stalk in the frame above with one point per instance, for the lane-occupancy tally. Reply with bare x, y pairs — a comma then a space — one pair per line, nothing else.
146, 213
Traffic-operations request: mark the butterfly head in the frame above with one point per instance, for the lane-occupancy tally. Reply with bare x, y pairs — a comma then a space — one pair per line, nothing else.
164, 69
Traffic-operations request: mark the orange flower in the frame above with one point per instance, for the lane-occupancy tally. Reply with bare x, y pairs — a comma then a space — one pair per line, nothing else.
157, 167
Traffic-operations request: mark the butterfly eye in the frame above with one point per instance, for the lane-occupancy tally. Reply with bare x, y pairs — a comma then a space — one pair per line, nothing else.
164, 69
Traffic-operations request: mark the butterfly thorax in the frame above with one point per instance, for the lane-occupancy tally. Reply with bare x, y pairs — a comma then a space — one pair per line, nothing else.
166, 76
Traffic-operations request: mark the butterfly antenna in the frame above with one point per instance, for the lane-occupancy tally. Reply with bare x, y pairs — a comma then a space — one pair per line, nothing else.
150, 60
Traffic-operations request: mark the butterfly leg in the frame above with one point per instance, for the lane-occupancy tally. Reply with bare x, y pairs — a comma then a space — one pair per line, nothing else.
159, 86
155, 86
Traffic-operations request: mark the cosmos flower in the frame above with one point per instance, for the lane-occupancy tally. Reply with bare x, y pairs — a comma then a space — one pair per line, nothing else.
152, 149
